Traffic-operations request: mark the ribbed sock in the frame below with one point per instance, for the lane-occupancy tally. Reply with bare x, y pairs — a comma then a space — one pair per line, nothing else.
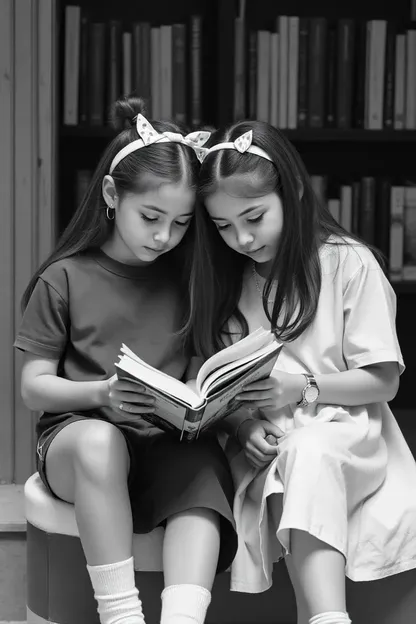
116, 593
331, 617
184, 604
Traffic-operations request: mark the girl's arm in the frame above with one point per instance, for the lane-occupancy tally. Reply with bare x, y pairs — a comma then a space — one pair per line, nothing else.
360, 386
43, 390
377, 383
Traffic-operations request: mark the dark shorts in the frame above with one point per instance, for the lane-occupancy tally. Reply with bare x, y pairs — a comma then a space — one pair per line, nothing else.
166, 477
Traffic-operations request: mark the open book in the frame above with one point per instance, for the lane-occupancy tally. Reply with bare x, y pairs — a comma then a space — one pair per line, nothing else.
180, 408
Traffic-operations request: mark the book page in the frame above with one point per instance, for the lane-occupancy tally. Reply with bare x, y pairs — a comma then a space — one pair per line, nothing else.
219, 406
149, 375
241, 349
168, 409
234, 369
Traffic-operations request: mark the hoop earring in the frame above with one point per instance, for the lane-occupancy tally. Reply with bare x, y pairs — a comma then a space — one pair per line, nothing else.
107, 212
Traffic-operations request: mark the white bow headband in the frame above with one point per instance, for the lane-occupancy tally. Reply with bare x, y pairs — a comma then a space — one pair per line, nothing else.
148, 135
242, 144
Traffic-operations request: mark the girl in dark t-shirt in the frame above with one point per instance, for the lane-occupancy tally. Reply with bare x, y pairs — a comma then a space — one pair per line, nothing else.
119, 274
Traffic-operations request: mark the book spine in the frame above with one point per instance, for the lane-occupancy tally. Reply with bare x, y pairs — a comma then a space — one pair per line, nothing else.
137, 65
346, 37
283, 22
303, 72
388, 106
317, 55
83, 71
71, 69
239, 69
409, 252
96, 74
196, 68
166, 71
127, 63
331, 76
410, 122
179, 72
252, 76
375, 91
367, 219
334, 207
400, 83
396, 233
382, 231
360, 74
155, 74
114, 82
263, 75
356, 205
274, 79
346, 207
145, 63
293, 63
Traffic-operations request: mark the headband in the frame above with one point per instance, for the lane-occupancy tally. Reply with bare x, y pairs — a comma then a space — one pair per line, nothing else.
242, 144
148, 136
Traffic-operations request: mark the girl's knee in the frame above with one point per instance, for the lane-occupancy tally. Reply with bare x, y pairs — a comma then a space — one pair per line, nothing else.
100, 452
312, 441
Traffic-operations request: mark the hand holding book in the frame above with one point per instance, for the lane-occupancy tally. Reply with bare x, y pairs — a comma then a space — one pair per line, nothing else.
180, 408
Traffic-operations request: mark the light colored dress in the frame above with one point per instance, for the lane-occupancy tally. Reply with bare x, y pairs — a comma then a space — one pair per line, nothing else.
343, 474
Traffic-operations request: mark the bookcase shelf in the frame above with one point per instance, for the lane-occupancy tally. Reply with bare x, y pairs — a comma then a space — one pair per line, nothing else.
324, 135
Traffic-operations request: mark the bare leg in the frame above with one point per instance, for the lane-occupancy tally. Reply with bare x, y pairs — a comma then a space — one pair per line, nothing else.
87, 464
191, 548
320, 570
190, 557
302, 610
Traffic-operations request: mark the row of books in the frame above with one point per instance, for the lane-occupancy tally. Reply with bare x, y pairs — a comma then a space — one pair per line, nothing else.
102, 61
379, 211
313, 72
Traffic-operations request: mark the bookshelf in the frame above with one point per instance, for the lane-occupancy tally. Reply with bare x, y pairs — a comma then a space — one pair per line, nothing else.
342, 154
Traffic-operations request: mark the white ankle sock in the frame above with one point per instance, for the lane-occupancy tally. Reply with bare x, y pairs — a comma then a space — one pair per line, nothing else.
331, 617
184, 604
116, 593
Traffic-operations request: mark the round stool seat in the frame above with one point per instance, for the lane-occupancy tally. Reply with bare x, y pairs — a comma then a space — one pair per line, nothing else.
58, 585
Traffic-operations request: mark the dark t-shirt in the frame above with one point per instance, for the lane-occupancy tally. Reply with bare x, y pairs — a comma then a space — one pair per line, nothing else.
84, 307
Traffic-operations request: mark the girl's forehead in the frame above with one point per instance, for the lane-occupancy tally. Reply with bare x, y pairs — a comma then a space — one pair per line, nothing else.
249, 184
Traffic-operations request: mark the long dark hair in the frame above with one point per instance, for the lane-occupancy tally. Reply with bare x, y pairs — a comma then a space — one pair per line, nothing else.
217, 271
89, 228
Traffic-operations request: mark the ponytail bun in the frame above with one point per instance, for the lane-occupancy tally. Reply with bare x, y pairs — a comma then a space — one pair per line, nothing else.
124, 111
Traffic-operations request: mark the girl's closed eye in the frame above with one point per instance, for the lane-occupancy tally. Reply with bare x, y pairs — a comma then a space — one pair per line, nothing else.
149, 219
183, 223
222, 227
256, 219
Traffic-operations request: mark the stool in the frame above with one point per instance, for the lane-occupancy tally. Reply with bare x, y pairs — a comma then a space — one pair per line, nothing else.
59, 590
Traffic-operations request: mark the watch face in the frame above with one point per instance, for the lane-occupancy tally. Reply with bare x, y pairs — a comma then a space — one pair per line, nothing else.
311, 394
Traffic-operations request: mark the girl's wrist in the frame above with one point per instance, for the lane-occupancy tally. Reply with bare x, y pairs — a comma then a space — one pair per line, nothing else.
239, 427
102, 398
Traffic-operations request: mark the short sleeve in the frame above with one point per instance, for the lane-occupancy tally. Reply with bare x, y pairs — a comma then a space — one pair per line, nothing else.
43, 329
370, 319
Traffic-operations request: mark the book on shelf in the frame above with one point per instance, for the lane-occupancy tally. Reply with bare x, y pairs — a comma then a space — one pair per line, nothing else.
343, 73
188, 411
107, 59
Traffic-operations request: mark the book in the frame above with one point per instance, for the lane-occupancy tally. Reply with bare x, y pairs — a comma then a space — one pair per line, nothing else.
188, 412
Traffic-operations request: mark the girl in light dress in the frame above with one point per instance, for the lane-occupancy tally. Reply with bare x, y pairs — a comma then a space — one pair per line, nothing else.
323, 474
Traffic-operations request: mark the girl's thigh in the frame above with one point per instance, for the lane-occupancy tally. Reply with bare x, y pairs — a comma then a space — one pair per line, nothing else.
84, 449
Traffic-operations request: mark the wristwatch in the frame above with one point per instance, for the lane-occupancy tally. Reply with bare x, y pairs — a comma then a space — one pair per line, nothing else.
310, 393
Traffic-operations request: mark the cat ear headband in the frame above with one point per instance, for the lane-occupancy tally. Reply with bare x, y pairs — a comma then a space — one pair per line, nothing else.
148, 135
242, 144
